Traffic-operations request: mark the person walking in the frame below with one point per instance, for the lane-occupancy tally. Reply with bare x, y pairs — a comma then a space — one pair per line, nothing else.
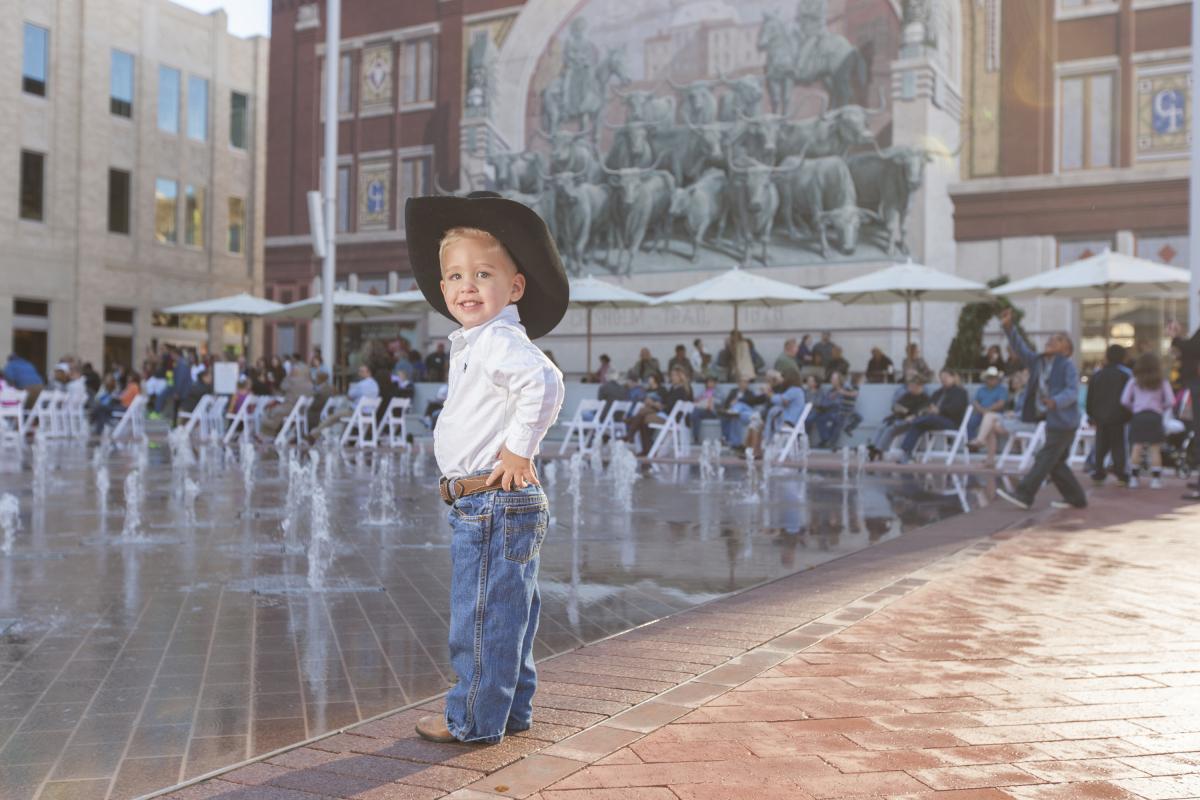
1108, 415
1189, 376
1147, 397
1052, 395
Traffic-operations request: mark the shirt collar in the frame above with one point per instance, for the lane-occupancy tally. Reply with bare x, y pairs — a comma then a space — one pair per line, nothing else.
507, 314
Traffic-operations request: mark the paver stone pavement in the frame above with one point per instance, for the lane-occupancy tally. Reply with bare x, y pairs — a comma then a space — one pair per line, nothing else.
1061, 660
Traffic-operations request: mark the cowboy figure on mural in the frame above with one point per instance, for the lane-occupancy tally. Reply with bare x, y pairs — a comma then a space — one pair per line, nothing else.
579, 64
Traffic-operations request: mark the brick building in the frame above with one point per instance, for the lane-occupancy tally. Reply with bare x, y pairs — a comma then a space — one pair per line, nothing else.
400, 102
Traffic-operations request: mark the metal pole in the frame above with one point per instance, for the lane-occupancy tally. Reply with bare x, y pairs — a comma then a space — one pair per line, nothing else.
1194, 182
333, 34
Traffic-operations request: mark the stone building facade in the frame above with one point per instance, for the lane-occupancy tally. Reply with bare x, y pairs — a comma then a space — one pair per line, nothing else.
135, 133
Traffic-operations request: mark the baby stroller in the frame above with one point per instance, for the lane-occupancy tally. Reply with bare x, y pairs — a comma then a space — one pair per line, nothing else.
1181, 451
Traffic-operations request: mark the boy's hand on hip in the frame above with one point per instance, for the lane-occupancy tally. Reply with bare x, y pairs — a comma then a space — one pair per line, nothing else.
513, 471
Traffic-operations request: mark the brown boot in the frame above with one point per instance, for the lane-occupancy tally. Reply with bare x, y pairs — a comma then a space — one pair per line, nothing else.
433, 728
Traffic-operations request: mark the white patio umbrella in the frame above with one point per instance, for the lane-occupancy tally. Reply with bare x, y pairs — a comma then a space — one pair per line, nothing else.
411, 300
738, 288
242, 305
1103, 277
906, 282
346, 305
590, 293
235, 305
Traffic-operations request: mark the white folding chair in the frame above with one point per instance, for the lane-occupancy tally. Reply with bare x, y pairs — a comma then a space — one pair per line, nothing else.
12, 413
617, 426
1022, 457
76, 415
212, 424
607, 425
195, 418
58, 425
673, 431
946, 445
796, 436
39, 413
242, 421
395, 427
361, 426
583, 425
295, 425
1085, 439
132, 422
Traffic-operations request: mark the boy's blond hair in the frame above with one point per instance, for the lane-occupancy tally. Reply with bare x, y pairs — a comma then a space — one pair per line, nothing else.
458, 234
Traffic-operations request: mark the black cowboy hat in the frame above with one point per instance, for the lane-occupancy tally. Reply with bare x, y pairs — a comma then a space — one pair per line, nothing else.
519, 229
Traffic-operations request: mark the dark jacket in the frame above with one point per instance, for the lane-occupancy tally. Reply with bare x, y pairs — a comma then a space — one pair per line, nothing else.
1104, 395
952, 403
611, 391
1189, 365
674, 394
913, 403
748, 397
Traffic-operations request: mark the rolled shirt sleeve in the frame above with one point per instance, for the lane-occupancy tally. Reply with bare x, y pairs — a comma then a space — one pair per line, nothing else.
536, 388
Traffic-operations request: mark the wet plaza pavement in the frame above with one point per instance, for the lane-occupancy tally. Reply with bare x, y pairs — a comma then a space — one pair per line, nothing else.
219, 627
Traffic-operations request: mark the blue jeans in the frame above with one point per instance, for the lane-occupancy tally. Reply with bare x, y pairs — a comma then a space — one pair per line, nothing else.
925, 422
494, 606
830, 425
699, 415
890, 430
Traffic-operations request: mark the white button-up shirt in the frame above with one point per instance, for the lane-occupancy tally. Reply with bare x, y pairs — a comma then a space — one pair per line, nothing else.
503, 392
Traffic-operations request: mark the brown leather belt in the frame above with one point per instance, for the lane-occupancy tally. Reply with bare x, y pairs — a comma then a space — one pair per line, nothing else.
452, 489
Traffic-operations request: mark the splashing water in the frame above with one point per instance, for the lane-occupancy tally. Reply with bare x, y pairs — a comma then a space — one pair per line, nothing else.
191, 490
281, 451
750, 492
574, 473
102, 489
330, 464
10, 520
574, 478
860, 454
381, 503
623, 466
710, 461
550, 473
320, 543
418, 464
846, 464
181, 449
41, 465
143, 453
133, 506
298, 491
596, 461
249, 463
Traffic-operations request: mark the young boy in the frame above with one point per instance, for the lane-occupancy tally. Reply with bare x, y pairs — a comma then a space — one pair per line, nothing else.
490, 264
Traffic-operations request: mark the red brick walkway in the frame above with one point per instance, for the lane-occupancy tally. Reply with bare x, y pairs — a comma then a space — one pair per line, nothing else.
1062, 661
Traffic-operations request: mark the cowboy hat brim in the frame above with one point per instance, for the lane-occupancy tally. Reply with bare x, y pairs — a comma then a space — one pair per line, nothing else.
517, 227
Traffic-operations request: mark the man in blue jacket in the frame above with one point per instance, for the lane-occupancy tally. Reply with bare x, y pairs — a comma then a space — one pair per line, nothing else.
23, 375
1052, 395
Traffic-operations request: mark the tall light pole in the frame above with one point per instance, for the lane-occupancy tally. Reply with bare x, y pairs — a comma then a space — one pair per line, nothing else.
333, 34
1194, 179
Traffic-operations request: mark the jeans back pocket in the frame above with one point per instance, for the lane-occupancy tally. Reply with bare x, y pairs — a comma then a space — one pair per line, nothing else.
524, 529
